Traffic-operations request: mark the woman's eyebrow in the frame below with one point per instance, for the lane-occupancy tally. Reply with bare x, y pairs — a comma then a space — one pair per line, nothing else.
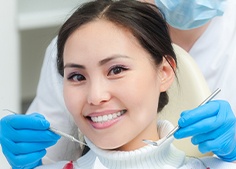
73, 65
104, 61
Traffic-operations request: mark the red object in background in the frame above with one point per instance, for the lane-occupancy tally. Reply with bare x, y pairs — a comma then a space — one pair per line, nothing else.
69, 165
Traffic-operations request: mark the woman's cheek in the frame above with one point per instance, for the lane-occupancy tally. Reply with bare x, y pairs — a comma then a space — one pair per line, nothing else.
74, 101
69, 99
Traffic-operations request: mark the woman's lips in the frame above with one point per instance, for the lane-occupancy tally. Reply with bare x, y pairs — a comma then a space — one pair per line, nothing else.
107, 117
104, 121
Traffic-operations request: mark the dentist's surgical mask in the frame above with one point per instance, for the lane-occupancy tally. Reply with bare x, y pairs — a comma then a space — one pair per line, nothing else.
189, 14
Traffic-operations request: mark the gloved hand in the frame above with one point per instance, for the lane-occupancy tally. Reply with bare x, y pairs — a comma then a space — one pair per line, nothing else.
212, 127
24, 138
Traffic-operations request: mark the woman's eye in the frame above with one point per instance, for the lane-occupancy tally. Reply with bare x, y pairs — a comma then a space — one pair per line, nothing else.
76, 77
116, 70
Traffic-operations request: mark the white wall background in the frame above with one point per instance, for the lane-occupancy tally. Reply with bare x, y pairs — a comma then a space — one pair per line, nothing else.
26, 28
9, 59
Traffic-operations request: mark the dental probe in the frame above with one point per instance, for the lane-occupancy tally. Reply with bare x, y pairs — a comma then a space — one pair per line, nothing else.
66, 135
177, 127
61, 133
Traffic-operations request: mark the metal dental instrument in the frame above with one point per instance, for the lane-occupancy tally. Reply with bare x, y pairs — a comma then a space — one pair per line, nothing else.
177, 127
61, 133
66, 135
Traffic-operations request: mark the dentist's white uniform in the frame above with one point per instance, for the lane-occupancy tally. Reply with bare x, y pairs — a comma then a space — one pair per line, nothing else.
214, 52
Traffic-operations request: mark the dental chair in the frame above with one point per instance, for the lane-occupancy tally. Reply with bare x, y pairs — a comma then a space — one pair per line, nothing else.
186, 93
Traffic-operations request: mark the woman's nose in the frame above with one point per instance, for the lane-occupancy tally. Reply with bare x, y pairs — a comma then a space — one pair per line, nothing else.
98, 93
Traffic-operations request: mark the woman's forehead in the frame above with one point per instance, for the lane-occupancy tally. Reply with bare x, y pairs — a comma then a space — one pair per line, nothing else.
104, 34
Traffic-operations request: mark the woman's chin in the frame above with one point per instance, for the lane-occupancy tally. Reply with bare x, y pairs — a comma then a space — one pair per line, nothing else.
111, 145
108, 147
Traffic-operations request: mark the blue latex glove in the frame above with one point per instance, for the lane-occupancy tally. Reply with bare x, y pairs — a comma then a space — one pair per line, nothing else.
212, 127
24, 138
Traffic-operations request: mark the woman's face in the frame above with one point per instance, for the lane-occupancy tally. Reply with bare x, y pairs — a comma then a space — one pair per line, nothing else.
111, 86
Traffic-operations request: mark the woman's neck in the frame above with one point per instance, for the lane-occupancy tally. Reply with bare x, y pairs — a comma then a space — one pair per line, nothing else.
149, 133
186, 38
147, 156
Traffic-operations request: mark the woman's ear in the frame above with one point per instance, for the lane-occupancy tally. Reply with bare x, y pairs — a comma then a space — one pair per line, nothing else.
167, 73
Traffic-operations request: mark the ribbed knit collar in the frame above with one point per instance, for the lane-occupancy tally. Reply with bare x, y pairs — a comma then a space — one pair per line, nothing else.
164, 156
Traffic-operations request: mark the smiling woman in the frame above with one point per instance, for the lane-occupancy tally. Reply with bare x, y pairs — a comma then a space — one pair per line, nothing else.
117, 63
105, 84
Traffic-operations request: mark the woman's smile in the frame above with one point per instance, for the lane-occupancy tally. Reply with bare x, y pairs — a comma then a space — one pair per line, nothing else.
102, 121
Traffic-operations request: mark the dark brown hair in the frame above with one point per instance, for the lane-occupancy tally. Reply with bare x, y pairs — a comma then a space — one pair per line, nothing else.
143, 20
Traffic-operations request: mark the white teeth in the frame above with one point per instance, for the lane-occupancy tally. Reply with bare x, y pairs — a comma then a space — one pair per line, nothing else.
105, 118
109, 117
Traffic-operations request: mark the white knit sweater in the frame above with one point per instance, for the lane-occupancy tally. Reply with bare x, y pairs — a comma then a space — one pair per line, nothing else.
165, 156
